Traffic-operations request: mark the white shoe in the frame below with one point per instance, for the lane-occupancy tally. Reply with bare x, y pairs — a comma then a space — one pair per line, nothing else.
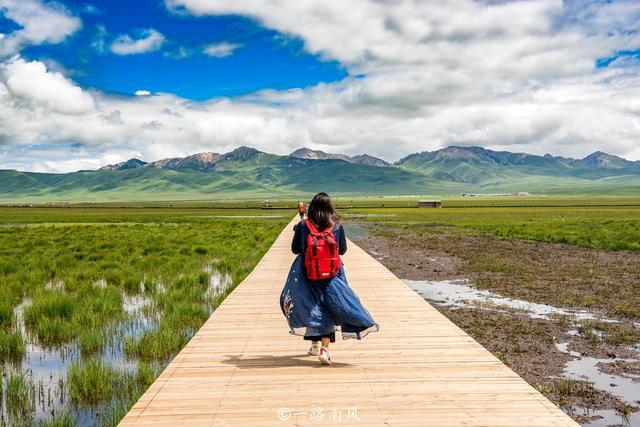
314, 350
324, 356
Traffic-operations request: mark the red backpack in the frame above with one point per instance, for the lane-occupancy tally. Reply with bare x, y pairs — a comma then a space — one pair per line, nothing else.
321, 259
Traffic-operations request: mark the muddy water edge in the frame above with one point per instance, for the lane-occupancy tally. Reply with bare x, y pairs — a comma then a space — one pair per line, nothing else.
544, 309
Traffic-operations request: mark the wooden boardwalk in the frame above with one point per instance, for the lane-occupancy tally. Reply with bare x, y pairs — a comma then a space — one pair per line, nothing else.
243, 368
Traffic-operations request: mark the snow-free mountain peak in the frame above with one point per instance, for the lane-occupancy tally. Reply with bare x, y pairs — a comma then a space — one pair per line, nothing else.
362, 159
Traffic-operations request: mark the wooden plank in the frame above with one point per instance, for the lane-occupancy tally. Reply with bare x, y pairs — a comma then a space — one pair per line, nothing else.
243, 368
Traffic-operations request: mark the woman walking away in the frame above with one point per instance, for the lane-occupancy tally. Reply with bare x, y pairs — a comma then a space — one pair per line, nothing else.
316, 297
302, 210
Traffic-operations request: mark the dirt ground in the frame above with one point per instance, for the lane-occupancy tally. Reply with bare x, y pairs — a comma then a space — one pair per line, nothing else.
559, 275
540, 272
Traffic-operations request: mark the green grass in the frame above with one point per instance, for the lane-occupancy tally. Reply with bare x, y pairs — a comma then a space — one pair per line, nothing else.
95, 381
74, 271
11, 345
76, 266
6, 315
610, 333
91, 382
601, 227
58, 420
20, 398
57, 317
159, 344
91, 341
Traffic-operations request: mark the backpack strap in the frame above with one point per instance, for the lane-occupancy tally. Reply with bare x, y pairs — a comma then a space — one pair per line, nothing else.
314, 230
311, 226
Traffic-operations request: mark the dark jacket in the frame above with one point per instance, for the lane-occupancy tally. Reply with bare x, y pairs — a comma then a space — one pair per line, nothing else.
301, 232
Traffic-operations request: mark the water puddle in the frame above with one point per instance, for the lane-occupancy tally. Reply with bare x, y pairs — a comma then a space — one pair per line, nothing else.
589, 368
355, 231
460, 294
219, 282
457, 294
46, 368
54, 285
608, 417
133, 304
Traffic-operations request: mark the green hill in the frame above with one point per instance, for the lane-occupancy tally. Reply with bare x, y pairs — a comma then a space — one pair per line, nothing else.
246, 172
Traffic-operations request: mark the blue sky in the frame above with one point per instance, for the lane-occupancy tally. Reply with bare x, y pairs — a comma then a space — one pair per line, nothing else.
263, 59
386, 78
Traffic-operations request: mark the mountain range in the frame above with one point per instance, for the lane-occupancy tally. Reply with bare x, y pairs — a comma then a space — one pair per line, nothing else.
247, 172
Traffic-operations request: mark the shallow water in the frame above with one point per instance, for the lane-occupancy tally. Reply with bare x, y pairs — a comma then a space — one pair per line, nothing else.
456, 294
218, 284
609, 417
586, 368
355, 231
461, 294
46, 368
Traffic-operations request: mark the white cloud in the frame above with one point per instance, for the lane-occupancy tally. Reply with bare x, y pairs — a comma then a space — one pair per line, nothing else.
517, 75
34, 84
142, 93
149, 41
220, 50
40, 23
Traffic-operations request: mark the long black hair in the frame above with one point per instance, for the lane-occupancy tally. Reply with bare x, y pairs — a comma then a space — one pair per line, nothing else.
321, 211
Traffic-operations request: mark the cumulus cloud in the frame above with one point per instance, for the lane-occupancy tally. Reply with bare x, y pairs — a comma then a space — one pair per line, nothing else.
142, 93
518, 75
33, 83
39, 23
220, 50
149, 40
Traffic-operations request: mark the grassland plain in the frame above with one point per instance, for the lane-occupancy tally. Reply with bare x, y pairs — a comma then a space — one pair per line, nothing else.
576, 258
95, 301
606, 223
105, 294
347, 203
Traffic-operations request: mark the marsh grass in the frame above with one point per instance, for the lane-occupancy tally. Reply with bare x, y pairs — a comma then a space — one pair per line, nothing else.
59, 420
6, 316
599, 227
20, 398
610, 333
12, 345
158, 344
81, 270
91, 341
95, 381
90, 382
566, 387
